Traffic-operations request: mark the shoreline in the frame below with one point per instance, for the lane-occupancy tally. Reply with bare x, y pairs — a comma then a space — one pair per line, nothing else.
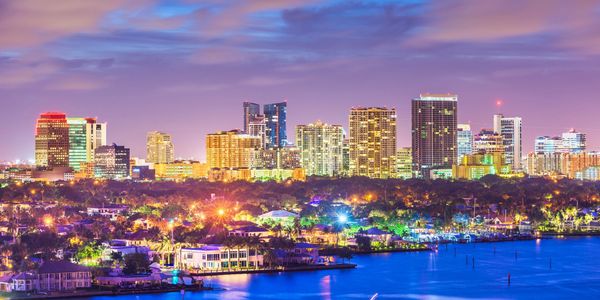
96, 293
343, 266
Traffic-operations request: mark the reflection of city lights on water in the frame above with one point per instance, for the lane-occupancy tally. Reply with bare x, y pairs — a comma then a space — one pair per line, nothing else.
326, 287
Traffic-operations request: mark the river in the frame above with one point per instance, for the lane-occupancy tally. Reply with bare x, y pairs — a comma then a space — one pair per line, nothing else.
540, 269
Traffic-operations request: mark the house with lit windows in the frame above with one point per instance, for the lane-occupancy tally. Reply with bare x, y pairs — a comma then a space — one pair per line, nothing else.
218, 258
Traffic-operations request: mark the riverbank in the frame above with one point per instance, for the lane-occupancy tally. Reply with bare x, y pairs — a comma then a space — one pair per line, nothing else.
279, 270
94, 293
567, 234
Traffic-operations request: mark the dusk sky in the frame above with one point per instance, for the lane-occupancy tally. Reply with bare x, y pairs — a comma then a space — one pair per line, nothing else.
185, 67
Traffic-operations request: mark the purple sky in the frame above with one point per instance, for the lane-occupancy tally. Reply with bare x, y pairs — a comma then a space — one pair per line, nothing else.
185, 67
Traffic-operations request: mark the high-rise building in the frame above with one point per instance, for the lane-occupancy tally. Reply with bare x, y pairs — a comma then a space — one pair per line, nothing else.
77, 142
372, 142
546, 144
488, 141
464, 140
434, 126
159, 148
52, 140
276, 128
251, 110
258, 127
95, 137
321, 148
510, 130
573, 141
404, 163
85, 135
111, 162
230, 149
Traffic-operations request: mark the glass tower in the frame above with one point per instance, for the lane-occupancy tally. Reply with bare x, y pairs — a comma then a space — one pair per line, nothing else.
276, 128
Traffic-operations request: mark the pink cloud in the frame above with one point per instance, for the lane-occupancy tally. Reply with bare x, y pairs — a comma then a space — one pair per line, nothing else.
450, 21
26, 23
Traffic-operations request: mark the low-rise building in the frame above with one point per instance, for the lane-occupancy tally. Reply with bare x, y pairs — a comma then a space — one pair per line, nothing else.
109, 211
217, 258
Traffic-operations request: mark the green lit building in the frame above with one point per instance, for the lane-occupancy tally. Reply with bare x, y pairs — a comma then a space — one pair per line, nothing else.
475, 166
77, 142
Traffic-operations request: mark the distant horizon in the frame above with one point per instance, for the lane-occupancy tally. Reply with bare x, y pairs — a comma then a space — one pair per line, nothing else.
186, 67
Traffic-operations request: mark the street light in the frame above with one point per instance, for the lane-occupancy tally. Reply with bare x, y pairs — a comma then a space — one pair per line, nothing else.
48, 221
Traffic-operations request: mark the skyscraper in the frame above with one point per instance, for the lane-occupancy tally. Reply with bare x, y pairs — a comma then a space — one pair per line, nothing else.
404, 163
434, 125
251, 110
464, 141
230, 149
372, 142
159, 148
510, 130
488, 141
77, 142
52, 140
321, 148
257, 127
85, 135
111, 162
276, 128
573, 141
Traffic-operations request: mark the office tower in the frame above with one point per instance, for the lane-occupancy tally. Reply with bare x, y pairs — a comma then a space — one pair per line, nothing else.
573, 141
230, 149
275, 119
251, 110
257, 127
111, 162
85, 135
77, 142
404, 163
372, 142
159, 148
52, 140
510, 130
488, 141
546, 144
434, 125
321, 148
95, 137
464, 140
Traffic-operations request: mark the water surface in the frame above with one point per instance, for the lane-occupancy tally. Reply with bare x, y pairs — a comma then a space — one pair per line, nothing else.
541, 269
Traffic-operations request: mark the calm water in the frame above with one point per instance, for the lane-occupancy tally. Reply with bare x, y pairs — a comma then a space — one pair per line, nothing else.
575, 273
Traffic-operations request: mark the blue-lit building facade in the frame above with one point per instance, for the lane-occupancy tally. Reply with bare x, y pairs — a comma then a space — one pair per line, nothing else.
276, 128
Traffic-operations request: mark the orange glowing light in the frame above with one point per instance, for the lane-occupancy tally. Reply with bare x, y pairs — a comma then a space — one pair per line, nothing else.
48, 220
221, 212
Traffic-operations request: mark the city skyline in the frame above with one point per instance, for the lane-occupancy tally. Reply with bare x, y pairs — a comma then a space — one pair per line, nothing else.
100, 65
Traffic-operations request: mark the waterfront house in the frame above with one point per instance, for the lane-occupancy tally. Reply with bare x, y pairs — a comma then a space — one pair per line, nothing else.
24, 282
217, 258
376, 235
118, 246
63, 276
301, 254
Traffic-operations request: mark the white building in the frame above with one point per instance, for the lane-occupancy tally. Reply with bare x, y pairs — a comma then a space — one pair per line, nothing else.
510, 129
217, 257
109, 211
